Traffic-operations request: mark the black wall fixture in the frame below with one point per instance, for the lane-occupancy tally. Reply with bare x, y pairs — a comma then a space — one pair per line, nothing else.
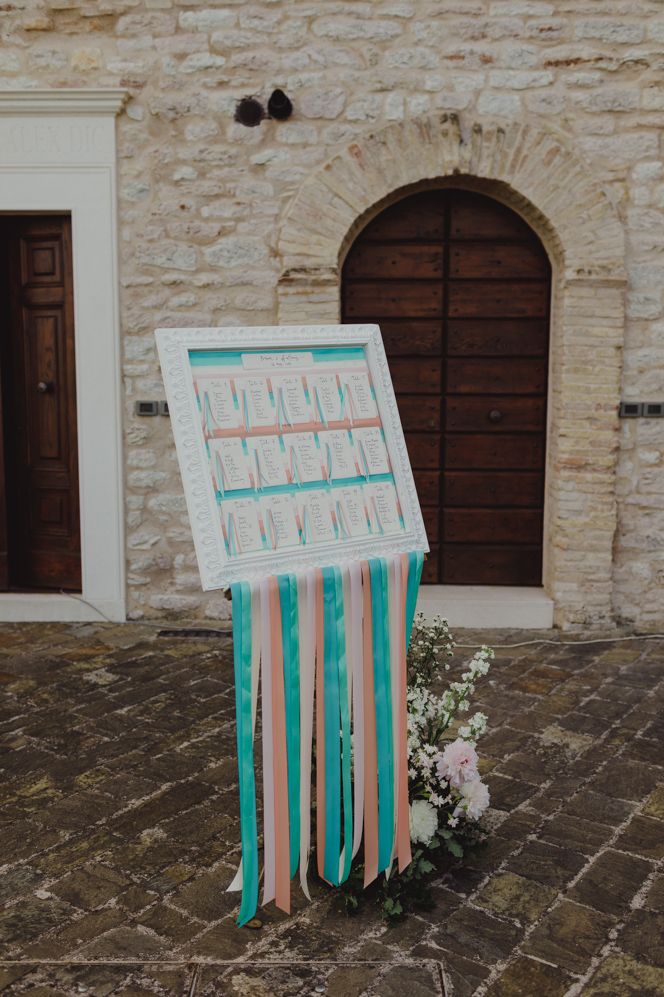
249, 112
279, 106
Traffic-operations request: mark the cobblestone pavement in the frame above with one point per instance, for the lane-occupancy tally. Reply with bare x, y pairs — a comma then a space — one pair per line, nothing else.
121, 831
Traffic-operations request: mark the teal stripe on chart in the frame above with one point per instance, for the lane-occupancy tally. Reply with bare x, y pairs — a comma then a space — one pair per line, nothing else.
415, 565
289, 627
332, 761
305, 486
345, 724
383, 698
241, 604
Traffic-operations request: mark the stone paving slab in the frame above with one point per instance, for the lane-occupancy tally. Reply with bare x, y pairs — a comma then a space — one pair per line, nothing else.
120, 831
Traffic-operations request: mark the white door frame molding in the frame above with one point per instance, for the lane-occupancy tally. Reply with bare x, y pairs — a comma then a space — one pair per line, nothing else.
57, 154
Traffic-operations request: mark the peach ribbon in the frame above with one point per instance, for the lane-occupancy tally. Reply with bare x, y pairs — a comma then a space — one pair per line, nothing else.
370, 757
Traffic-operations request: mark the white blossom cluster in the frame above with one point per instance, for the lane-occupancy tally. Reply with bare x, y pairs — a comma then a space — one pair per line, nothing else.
445, 786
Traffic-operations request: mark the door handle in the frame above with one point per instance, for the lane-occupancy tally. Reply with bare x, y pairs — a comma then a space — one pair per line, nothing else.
495, 415
45, 387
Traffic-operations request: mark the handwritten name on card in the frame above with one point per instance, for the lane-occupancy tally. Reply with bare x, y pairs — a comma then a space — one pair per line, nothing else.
371, 449
269, 460
219, 404
231, 465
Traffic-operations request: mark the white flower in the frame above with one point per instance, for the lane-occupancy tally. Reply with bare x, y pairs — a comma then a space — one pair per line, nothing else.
423, 821
474, 799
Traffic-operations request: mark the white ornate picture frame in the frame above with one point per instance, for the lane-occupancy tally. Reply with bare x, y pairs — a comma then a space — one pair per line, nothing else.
187, 356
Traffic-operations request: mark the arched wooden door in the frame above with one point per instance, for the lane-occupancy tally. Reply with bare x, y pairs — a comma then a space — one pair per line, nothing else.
460, 286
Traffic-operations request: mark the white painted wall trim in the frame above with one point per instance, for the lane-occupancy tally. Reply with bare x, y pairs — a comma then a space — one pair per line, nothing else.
487, 606
57, 153
62, 102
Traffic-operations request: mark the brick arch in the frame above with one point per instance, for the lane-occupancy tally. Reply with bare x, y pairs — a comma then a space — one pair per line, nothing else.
535, 171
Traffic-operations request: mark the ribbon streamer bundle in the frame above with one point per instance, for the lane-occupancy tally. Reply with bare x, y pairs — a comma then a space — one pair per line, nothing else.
328, 650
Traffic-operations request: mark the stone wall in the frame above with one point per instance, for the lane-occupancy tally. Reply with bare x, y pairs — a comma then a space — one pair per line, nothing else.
201, 198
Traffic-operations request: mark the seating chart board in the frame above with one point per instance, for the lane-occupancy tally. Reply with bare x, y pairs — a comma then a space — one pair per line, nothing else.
290, 448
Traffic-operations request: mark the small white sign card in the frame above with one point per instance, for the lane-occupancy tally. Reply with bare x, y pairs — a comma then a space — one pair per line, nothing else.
290, 448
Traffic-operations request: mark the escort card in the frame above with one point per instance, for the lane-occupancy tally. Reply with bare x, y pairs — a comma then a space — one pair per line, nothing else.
290, 401
325, 397
241, 525
217, 397
338, 454
269, 460
316, 517
303, 457
362, 403
281, 528
230, 464
257, 408
383, 508
371, 449
351, 511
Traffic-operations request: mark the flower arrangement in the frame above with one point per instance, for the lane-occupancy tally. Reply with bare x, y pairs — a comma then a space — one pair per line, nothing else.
447, 796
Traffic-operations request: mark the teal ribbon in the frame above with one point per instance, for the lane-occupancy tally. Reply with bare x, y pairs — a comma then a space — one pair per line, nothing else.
291, 641
345, 723
241, 602
383, 697
415, 565
331, 709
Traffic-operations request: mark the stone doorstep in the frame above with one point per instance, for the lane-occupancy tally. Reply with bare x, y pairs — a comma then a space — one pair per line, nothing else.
487, 606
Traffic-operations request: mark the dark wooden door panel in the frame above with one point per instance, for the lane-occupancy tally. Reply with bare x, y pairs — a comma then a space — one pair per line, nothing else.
486, 451
412, 337
497, 376
420, 217
414, 261
498, 299
497, 338
460, 286
493, 526
431, 518
475, 217
41, 462
419, 411
428, 486
487, 564
378, 299
415, 376
497, 260
518, 489
4, 540
423, 449
494, 413
431, 569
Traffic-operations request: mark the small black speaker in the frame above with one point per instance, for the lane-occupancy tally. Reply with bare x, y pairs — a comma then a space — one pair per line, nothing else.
279, 106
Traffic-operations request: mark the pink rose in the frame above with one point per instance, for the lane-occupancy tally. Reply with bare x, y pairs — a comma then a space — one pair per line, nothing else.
458, 763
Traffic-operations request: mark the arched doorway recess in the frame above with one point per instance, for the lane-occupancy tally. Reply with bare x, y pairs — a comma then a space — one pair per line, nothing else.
535, 170
460, 286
